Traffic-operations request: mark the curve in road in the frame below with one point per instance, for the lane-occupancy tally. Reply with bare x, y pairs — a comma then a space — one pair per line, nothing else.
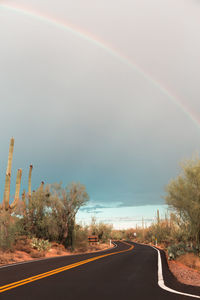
132, 274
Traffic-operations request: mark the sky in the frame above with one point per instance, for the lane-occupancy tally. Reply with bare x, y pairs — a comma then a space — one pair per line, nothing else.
105, 93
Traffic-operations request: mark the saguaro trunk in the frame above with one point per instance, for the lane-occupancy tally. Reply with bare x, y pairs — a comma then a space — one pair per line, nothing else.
24, 201
6, 197
158, 216
17, 189
6, 192
70, 239
29, 181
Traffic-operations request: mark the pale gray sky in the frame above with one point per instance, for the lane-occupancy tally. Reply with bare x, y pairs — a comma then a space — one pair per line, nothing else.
79, 113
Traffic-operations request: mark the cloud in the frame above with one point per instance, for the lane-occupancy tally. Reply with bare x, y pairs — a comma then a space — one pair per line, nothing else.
126, 219
96, 208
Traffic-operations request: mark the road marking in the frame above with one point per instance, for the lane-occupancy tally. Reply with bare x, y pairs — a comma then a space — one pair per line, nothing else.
48, 258
161, 282
56, 271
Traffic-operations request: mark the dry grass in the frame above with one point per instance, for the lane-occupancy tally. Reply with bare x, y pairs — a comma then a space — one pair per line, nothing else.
190, 260
6, 257
99, 247
23, 244
37, 254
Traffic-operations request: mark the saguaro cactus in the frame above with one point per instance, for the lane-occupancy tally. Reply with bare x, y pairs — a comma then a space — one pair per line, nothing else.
6, 192
17, 189
158, 216
24, 201
41, 186
6, 197
29, 181
10, 156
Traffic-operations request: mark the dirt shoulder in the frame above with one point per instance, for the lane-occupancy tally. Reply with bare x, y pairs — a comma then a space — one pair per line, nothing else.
182, 271
184, 274
22, 256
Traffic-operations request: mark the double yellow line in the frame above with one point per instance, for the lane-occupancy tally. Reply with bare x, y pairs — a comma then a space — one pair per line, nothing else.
56, 271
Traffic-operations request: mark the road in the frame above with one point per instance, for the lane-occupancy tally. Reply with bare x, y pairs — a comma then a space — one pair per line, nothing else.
129, 271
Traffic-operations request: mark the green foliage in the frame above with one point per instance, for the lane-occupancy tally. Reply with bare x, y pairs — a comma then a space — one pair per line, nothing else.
102, 230
176, 250
117, 235
183, 194
40, 245
37, 217
50, 213
81, 238
65, 203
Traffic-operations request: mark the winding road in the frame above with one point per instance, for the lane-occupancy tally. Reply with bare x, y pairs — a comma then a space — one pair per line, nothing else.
128, 271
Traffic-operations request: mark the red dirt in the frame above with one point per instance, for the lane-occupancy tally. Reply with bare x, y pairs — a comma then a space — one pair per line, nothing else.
20, 256
184, 274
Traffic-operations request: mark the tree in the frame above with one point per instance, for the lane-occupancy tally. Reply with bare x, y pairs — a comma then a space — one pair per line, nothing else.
183, 195
50, 213
37, 220
65, 203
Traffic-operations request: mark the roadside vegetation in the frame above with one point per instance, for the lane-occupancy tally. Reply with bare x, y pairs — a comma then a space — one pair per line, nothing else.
179, 232
43, 221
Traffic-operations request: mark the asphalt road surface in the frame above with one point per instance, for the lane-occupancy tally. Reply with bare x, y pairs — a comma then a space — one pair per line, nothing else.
129, 271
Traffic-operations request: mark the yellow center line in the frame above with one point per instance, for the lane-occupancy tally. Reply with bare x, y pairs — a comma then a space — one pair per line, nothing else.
58, 270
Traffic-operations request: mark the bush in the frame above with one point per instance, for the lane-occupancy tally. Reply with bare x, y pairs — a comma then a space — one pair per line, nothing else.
35, 254
177, 250
117, 235
40, 245
23, 244
81, 239
8, 231
102, 230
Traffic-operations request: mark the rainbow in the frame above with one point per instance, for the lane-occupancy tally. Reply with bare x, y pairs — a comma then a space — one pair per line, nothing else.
109, 49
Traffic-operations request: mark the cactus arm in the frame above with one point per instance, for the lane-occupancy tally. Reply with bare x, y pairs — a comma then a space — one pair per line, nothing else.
17, 189
29, 181
41, 188
10, 156
8, 176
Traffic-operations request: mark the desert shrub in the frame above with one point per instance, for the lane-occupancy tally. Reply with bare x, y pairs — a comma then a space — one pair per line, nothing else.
40, 245
117, 235
128, 234
102, 230
35, 254
23, 244
81, 238
177, 250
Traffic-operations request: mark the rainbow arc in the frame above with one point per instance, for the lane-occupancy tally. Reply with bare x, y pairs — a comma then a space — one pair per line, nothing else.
109, 49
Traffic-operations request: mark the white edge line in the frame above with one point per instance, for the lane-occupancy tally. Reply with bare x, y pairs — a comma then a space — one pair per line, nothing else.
161, 282
42, 259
